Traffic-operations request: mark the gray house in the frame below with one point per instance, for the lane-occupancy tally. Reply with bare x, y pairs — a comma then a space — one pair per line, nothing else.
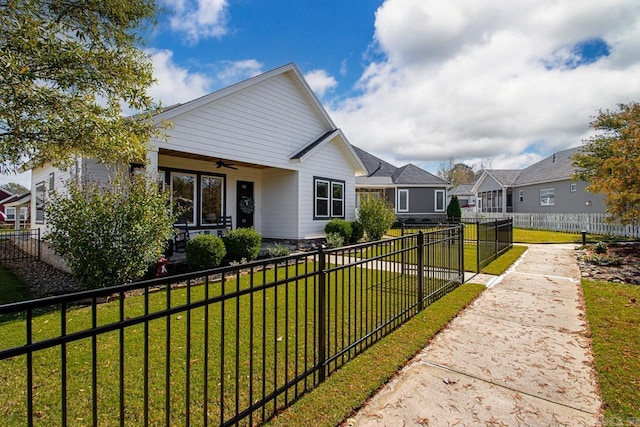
466, 197
414, 193
544, 187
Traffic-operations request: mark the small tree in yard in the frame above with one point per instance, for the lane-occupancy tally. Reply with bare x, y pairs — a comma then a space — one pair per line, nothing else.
109, 235
453, 210
376, 216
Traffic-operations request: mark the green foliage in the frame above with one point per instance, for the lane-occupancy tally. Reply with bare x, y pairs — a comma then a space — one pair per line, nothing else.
277, 250
68, 68
205, 251
357, 232
110, 234
334, 240
341, 227
601, 248
609, 162
242, 243
376, 216
454, 211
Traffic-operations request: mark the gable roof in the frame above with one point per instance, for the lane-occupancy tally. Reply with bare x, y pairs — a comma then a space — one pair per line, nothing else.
290, 70
556, 167
461, 189
384, 173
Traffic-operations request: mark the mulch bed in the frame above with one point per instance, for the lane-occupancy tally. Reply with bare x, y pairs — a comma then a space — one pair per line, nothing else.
627, 272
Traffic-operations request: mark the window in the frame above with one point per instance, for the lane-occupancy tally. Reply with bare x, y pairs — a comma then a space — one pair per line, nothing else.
337, 199
439, 202
183, 190
328, 198
51, 181
521, 195
40, 202
547, 197
574, 187
211, 199
403, 200
10, 212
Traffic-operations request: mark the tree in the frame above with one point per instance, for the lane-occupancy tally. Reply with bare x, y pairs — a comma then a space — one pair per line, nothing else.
376, 216
610, 161
14, 188
456, 174
67, 68
110, 234
453, 210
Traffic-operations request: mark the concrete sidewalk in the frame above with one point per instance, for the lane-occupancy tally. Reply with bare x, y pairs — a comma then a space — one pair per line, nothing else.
518, 356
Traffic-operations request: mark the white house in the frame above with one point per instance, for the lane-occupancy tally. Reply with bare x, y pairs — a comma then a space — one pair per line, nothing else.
263, 151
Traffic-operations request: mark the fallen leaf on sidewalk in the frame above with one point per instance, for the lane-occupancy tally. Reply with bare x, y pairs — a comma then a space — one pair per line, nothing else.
449, 381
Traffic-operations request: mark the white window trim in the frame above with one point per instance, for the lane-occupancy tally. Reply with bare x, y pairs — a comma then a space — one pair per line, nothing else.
42, 185
574, 187
550, 201
12, 216
521, 195
398, 204
435, 201
316, 198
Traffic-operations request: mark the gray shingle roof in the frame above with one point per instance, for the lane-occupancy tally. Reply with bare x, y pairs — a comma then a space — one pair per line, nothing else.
462, 189
384, 173
553, 168
506, 177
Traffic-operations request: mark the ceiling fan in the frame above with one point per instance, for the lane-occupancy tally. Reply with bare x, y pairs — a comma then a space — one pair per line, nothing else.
221, 163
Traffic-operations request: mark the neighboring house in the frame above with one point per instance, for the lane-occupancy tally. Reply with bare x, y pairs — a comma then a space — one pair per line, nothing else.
465, 195
545, 186
494, 190
16, 210
4, 196
263, 151
413, 192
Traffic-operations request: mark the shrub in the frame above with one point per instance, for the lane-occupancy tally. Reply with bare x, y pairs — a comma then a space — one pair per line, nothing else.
242, 243
109, 234
334, 240
376, 216
205, 251
341, 227
277, 250
601, 248
454, 212
357, 232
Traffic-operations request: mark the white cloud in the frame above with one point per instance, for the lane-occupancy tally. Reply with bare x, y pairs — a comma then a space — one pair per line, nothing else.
472, 80
236, 71
320, 82
198, 18
174, 83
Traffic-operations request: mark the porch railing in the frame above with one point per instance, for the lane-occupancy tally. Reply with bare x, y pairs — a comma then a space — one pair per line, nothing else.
228, 346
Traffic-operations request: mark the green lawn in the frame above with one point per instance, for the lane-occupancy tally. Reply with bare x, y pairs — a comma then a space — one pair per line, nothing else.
11, 288
521, 235
613, 312
504, 261
256, 321
348, 389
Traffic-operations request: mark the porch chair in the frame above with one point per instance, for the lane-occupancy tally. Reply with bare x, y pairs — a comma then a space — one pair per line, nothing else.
181, 237
223, 224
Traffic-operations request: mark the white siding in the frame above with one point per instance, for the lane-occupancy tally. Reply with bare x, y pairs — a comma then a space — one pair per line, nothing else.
328, 161
280, 208
263, 124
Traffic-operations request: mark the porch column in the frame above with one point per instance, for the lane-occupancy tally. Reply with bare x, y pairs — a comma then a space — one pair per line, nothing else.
152, 160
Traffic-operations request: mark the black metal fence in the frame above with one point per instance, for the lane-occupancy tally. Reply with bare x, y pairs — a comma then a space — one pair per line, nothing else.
484, 239
229, 346
19, 244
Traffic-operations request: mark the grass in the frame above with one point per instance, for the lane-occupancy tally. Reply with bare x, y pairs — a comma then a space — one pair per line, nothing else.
256, 321
613, 312
348, 388
11, 288
521, 235
504, 261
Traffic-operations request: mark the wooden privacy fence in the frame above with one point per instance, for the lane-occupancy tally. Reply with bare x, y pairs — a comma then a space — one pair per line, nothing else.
592, 223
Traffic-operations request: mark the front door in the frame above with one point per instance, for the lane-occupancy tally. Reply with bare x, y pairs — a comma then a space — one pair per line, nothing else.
246, 204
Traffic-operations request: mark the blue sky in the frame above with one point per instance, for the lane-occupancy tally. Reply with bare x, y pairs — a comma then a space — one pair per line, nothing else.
502, 84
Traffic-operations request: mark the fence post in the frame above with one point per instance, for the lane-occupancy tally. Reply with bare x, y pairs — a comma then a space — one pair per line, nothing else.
402, 228
420, 271
38, 246
322, 316
477, 246
461, 249
495, 251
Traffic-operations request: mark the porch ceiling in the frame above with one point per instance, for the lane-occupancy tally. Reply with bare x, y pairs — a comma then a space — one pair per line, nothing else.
175, 153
